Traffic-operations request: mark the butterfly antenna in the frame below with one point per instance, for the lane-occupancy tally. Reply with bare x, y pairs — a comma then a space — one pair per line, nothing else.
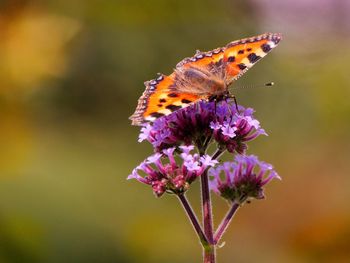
269, 84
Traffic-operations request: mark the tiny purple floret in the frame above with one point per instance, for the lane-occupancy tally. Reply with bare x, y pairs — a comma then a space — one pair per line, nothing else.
242, 179
196, 124
164, 174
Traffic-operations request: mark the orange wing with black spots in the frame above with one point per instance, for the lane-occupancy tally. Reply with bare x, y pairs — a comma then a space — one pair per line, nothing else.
242, 54
167, 94
210, 61
202, 76
159, 100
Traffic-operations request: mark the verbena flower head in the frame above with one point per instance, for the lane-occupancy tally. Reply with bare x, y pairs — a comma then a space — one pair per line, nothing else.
163, 173
199, 122
242, 179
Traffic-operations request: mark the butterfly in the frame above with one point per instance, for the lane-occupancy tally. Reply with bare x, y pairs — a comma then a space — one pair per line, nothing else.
204, 76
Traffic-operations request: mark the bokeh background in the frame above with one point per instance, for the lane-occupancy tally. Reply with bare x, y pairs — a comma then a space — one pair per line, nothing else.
70, 75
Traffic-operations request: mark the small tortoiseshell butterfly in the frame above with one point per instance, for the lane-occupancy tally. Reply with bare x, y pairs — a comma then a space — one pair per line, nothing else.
204, 76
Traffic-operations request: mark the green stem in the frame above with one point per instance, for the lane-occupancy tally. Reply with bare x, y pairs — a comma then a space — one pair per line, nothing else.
209, 254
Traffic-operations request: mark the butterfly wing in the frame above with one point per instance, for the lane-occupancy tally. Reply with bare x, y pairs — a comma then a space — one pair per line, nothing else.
160, 99
210, 62
241, 55
199, 77
184, 86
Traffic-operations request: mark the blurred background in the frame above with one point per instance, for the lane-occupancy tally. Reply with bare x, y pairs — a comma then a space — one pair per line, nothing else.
70, 76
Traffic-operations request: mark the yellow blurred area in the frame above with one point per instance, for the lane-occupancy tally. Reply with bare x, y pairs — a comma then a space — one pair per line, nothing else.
32, 47
70, 75
16, 139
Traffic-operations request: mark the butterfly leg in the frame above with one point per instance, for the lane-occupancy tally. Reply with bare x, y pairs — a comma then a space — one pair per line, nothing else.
234, 98
231, 96
215, 99
215, 103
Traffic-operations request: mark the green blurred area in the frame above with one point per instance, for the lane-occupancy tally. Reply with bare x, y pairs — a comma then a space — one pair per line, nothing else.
70, 75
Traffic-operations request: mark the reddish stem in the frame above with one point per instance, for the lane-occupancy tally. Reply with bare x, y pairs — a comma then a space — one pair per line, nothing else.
209, 255
225, 222
206, 208
209, 251
193, 218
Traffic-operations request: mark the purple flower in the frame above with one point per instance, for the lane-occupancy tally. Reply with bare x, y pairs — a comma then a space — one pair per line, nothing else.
208, 161
186, 148
163, 173
191, 164
145, 132
228, 130
242, 179
198, 123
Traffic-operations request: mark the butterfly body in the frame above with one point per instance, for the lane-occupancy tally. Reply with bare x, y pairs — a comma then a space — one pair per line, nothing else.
205, 76
198, 81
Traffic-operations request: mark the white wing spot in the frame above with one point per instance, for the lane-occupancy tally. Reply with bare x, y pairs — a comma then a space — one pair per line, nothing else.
165, 111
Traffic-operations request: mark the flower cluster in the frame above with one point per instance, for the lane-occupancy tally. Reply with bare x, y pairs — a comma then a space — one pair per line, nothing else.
242, 179
201, 122
171, 177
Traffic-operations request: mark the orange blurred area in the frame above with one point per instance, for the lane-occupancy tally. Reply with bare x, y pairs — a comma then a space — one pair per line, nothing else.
70, 76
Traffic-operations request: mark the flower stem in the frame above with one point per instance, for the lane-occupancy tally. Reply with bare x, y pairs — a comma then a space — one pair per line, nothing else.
193, 218
207, 211
209, 255
206, 142
225, 222
209, 251
217, 154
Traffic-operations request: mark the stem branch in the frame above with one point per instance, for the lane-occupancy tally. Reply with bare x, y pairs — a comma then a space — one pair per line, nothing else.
225, 222
217, 154
193, 218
